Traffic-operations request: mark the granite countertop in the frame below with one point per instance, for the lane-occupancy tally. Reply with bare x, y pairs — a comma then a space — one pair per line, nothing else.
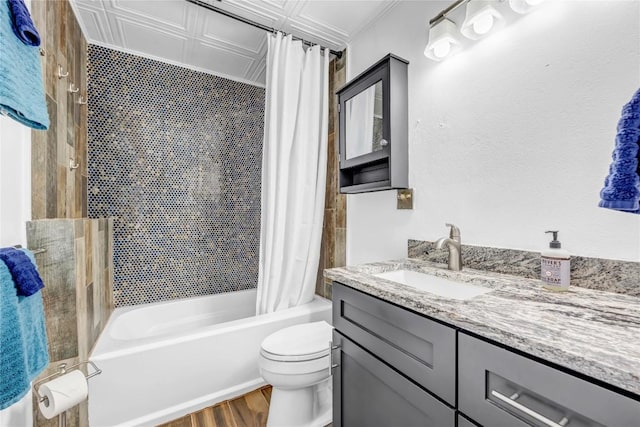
595, 333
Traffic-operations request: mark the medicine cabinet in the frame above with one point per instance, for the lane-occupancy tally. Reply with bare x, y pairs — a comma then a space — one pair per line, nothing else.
373, 128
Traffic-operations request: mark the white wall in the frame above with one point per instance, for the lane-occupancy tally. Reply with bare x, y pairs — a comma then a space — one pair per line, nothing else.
511, 137
15, 181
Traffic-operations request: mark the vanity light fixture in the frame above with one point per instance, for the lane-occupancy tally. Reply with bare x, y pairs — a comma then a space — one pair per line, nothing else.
481, 19
523, 6
443, 40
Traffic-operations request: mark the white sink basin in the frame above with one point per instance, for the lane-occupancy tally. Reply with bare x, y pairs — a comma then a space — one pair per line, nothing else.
435, 285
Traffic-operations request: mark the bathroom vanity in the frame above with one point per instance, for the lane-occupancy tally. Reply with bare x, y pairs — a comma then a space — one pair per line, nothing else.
514, 356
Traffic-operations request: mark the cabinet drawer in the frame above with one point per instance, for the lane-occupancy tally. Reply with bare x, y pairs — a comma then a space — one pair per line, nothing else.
497, 387
420, 348
369, 393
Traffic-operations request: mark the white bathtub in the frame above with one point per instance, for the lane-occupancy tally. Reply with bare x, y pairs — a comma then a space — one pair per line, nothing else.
164, 360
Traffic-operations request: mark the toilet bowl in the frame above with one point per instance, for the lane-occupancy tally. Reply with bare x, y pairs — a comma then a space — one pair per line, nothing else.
296, 362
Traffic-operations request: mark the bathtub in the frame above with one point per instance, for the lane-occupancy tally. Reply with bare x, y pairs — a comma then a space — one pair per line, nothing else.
164, 360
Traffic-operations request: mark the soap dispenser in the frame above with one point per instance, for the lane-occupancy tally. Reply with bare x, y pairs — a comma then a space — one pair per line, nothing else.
555, 269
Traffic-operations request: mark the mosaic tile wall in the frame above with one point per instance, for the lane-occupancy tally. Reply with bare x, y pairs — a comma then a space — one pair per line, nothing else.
175, 155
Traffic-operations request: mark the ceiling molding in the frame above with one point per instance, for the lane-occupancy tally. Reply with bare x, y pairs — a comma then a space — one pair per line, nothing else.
258, 65
96, 5
258, 70
82, 23
97, 20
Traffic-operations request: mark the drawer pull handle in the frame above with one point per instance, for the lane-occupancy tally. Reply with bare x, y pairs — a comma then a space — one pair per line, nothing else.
533, 414
332, 365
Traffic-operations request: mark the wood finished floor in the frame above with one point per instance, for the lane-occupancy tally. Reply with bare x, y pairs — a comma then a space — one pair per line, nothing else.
250, 410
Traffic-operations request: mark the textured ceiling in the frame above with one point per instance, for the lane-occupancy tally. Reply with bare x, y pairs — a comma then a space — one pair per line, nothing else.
182, 33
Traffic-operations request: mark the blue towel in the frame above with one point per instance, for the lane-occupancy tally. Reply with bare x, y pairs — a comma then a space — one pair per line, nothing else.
622, 186
21, 89
23, 339
22, 270
22, 24
629, 120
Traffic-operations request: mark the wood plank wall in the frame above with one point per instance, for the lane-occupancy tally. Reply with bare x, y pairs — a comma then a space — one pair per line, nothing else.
334, 229
58, 191
77, 270
77, 267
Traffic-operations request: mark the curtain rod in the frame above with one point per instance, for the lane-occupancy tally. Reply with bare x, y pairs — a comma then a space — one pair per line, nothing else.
253, 23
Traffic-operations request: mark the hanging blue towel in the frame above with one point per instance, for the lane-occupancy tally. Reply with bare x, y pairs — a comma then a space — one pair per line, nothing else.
21, 89
622, 187
22, 270
23, 339
23, 24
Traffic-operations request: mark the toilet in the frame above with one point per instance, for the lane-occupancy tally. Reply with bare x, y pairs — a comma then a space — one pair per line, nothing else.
296, 362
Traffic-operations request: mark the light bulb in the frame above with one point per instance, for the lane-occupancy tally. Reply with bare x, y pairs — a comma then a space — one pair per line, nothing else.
441, 48
443, 40
483, 23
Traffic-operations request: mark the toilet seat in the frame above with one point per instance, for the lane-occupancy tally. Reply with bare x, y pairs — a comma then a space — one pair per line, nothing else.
298, 343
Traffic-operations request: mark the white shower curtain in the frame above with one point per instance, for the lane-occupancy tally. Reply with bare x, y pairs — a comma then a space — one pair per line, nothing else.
293, 173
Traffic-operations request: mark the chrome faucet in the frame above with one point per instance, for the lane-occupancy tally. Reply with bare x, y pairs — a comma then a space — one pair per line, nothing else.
453, 244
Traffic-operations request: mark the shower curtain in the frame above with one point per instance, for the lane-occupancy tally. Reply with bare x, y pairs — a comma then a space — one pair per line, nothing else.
293, 173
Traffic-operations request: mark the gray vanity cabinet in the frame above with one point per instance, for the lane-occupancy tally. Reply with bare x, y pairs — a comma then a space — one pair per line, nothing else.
497, 387
417, 347
368, 392
394, 367
391, 365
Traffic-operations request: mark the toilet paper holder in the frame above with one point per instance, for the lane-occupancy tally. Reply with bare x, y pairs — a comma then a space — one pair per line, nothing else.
62, 369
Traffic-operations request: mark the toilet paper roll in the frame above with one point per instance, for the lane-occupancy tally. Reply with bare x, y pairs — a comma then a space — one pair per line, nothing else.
63, 393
